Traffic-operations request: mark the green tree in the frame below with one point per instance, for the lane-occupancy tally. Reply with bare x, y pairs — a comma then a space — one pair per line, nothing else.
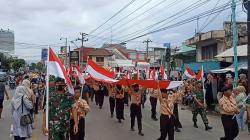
17, 64
40, 66
32, 66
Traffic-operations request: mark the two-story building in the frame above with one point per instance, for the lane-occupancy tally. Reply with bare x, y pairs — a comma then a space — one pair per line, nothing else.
101, 56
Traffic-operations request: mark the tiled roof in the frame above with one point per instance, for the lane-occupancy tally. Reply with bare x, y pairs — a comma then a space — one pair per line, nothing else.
100, 52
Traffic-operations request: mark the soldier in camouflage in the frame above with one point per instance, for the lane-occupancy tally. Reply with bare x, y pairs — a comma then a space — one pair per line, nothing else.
198, 106
60, 107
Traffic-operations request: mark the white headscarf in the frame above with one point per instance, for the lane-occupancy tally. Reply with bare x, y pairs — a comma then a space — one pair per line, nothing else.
28, 91
17, 98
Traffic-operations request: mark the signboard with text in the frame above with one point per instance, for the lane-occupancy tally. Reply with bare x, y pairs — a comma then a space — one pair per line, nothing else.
44, 55
74, 57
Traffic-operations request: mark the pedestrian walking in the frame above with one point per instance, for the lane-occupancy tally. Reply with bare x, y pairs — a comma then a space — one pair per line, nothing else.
3, 92
228, 110
153, 101
96, 89
101, 93
135, 107
112, 93
82, 108
119, 104
199, 107
21, 106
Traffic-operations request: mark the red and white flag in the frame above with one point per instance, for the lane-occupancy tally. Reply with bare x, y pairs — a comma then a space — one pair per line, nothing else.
99, 73
57, 69
189, 73
200, 74
79, 74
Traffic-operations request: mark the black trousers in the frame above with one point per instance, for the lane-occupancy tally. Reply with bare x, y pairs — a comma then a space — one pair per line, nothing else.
167, 127
96, 97
119, 108
135, 112
100, 98
153, 102
230, 126
81, 130
112, 105
18, 138
126, 98
177, 122
36, 105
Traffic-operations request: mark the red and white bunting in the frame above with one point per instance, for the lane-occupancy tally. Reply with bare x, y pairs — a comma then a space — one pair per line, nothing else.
189, 73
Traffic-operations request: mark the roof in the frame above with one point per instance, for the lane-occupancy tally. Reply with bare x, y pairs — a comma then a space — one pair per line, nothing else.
100, 52
241, 66
119, 47
186, 48
241, 51
84, 52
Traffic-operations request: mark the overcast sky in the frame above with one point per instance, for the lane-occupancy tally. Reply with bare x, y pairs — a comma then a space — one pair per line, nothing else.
46, 21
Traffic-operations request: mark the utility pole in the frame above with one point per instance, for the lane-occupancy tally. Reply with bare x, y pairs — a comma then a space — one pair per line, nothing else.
247, 6
235, 42
147, 42
83, 38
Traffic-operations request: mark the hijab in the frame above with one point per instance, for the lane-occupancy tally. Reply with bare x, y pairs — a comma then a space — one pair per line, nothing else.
17, 98
28, 91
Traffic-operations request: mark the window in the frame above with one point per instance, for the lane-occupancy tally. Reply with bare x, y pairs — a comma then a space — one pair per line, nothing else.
99, 59
132, 56
209, 52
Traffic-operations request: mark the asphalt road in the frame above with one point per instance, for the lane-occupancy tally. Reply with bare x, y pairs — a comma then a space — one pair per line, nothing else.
100, 126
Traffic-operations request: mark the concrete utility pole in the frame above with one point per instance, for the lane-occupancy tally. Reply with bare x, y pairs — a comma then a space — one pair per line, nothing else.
83, 39
147, 42
235, 42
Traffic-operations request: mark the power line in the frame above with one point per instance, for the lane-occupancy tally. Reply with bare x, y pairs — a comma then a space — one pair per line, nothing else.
123, 8
186, 10
202, 15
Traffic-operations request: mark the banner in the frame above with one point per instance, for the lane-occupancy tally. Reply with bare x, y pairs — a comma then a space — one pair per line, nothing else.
74, 57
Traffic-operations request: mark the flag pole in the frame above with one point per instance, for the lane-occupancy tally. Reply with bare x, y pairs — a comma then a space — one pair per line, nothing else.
203, 84
47, 91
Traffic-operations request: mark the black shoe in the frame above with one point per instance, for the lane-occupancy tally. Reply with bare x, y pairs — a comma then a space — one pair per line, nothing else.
195, 125
208, 127
132, 129
112, 115
177, 130
140, 133
100, 107
123, 118
154, 118
119, 121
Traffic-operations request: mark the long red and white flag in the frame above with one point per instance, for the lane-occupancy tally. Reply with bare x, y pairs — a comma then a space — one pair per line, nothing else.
57, 69
200, 74
189, 73
99, 73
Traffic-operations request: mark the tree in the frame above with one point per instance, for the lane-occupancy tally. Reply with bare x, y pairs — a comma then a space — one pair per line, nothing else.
32, 66
17, 64
40, 66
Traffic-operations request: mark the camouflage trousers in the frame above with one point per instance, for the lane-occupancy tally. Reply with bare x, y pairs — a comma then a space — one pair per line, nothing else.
203, 114
58, 136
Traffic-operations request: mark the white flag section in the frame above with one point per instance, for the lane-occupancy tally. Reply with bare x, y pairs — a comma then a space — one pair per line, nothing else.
174, 84
80, 75
189, 73
99, 73
57, 69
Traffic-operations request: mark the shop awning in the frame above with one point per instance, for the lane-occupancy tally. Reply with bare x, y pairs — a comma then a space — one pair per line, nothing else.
241, 51
241, 66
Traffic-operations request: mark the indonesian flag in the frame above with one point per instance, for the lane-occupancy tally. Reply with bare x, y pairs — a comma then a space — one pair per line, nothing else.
189, 73
71, 70
162, 70
56, 68
79, 74
99, 73
153, 74
200, 74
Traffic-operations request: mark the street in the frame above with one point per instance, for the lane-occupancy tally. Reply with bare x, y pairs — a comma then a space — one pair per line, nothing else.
100, 126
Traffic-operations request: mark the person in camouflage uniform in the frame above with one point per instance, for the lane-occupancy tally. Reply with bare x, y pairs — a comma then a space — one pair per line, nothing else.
198, 106
60, 107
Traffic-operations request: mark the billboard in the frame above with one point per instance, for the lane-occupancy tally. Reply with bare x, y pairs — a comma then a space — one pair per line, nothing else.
167, 45
44, 55
74, 57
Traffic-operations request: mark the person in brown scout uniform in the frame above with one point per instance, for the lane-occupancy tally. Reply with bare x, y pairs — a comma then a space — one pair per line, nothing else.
153, 101
112, 92
119, 108
135, 107
228, 110
167, 118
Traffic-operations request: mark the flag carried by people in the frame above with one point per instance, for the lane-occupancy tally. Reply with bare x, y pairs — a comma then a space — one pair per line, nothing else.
189, 73
56, 68
79, 74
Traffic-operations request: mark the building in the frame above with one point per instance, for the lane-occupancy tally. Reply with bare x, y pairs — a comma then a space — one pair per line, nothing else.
84, 52
101, 56
7, 44
156, 56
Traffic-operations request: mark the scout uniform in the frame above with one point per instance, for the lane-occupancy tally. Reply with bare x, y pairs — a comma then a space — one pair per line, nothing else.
167, 117
228, 108
153, 101
135, 110
82, 108
119, 108
197, 109
112, 100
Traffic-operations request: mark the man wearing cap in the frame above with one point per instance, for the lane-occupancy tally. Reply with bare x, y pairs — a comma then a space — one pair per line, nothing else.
198, 106
135, 107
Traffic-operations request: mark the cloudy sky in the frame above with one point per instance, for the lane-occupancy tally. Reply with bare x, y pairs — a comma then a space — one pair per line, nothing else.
44, 22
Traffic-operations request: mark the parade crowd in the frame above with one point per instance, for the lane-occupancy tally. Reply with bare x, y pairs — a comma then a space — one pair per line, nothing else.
67, 112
